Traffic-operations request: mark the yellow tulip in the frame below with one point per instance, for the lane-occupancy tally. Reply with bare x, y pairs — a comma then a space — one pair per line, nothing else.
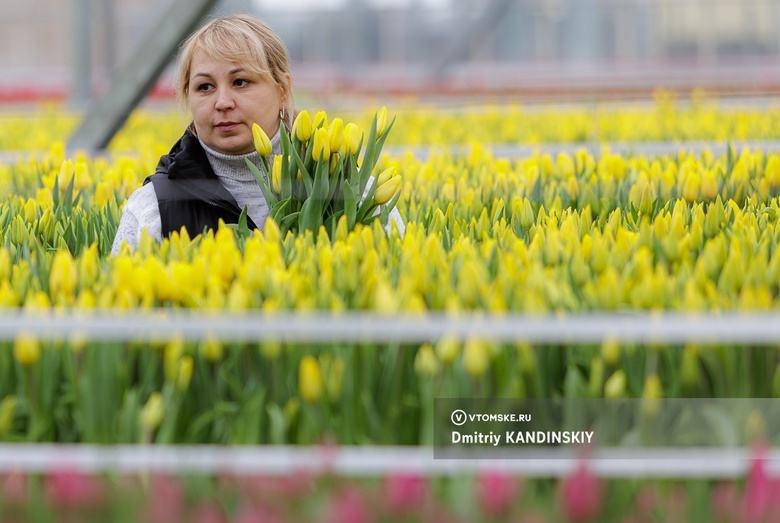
321, 148
310, 381
709, 187
425, 363
151, 414
334, 161
271, 349
691, 188
527, 214
261, 141
651, 395
63, 277
387, 190
30, 210
27, 351
184, 374
302, 126
381, 121
448, 349
336, 134
211, 348
610, 351
320, 120
615, 387
385, 175
103, 192
476, 357
352, 136
276, 174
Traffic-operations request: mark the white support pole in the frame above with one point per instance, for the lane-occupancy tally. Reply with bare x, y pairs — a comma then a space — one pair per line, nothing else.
82, 52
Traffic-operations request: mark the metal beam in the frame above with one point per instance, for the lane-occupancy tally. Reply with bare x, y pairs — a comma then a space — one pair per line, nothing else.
106, 115
82, 55
476, 31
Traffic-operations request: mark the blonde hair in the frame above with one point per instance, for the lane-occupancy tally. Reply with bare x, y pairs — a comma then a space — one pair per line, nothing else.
243, 39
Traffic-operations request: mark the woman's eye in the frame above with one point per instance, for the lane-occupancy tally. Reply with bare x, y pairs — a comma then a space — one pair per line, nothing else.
203, 87
241, 82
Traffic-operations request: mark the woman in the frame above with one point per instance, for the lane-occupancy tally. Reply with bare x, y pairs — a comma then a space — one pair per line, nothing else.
233, 72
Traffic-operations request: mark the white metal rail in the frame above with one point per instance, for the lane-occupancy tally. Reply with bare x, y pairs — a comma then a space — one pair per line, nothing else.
369, 461
358, 327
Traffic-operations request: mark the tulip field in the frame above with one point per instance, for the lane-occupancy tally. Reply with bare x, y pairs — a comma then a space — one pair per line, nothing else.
541, 233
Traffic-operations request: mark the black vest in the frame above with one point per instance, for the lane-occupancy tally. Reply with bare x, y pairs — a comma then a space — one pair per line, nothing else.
189, 194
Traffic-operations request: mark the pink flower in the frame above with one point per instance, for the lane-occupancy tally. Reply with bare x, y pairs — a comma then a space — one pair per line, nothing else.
646, 500
405, 493
71, 489
497, 492
581, 495
349, 506
676, 505
757, 495
15, 489
724, 500
257, 514
207, 512
166, 504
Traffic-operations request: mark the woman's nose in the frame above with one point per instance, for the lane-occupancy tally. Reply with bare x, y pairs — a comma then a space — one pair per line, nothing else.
224, 100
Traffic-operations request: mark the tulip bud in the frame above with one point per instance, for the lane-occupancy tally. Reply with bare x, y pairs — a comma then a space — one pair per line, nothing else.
381, 121
321, 149
497, 494
271, 349
526, 214
30, 210
448, 348
691, 188
27, 351
425, 363
352, 136
610, 351
63, 278
310, 381
476, 357
320, 120
334, 161
336, 134
152, 413
582, 495
385, 175
709, 187
211, 348
651, 404
184, 374
387, 190
261, 141
302, 126
276, 174
615, 387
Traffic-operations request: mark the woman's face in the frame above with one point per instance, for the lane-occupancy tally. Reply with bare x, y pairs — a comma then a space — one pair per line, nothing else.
225, 100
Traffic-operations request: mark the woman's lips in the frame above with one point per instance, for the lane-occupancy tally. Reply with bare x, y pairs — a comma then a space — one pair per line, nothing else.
227, 126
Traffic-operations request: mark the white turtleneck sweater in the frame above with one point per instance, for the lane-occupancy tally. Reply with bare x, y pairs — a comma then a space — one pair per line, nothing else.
141, 211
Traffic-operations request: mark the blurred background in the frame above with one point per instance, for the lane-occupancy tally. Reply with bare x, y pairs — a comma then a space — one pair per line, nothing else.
523, 50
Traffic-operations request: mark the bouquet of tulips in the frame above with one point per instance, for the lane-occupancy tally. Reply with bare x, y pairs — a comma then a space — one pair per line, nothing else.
320, 178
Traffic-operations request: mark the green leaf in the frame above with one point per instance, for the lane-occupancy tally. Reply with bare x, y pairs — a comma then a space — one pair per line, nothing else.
279, 210
286, 184
305, 176
270, 196
350, 206
243, 228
